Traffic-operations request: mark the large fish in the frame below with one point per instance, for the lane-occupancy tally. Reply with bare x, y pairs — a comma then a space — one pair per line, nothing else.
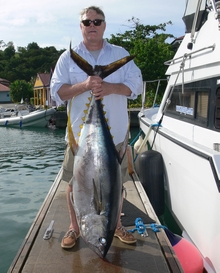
97, 184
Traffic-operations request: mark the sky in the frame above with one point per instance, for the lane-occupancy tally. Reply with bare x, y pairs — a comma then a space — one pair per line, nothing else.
56, 23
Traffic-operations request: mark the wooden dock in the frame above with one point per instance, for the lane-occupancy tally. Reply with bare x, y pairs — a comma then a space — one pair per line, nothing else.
150, 254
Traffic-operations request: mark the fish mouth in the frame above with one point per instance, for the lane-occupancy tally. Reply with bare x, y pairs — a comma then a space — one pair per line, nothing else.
101, 249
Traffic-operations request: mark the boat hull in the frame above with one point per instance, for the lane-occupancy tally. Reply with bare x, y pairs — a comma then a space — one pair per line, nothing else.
192, 187
188, 131
39, 118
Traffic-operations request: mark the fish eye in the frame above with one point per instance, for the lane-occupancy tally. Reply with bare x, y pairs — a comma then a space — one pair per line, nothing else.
102, 241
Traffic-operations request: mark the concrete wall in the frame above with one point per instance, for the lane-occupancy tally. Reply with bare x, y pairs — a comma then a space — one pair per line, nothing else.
4, 97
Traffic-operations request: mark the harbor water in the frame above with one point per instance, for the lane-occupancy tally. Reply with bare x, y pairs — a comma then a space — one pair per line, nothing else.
29, 162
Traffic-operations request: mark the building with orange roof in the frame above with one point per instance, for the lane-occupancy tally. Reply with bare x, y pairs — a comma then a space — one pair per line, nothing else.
42, 90
4, 91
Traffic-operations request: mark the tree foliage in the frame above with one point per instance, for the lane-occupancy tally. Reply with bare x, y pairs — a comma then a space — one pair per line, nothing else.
25, 62
20, 89
21, 66
148, 44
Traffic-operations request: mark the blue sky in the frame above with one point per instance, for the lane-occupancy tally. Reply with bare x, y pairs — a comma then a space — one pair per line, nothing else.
56, 23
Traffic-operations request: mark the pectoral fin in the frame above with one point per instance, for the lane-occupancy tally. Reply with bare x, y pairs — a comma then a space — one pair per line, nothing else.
123, 148
97, 198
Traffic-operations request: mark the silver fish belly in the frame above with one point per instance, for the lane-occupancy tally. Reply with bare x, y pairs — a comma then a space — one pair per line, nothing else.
97, 184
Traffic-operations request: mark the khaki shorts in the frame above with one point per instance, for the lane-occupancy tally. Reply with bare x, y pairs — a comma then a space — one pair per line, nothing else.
69, 161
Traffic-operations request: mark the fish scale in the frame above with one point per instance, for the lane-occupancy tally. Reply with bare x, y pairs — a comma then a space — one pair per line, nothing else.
97, 183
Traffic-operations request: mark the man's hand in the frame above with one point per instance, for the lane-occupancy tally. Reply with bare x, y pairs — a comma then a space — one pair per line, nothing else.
97, 87
91, 81
101, 89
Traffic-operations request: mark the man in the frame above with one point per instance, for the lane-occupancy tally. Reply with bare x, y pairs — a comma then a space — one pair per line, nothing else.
70, 81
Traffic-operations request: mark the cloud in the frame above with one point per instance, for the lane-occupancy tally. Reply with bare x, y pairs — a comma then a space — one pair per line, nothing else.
55, 23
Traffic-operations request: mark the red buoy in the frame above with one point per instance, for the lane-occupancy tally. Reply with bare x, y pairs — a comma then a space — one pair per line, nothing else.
188, 255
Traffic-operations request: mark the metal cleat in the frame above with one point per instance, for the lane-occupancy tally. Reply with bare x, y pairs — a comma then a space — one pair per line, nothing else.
48, 233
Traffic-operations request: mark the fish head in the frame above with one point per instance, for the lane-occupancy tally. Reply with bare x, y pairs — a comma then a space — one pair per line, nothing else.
95, 234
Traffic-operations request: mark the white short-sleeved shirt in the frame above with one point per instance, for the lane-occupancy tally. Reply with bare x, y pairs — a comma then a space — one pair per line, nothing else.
115, 106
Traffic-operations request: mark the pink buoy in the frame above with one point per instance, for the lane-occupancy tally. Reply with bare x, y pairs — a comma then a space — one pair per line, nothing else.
188, 255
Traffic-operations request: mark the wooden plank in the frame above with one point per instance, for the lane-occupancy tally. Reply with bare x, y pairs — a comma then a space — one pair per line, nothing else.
39, 255
48, 256
167, 248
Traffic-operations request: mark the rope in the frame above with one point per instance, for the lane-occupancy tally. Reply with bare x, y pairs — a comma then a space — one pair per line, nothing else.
142, 229
168, 101
137, 136
146, 138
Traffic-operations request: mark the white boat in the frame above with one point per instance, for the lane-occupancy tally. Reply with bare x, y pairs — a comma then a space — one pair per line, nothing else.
6, 112
185, 130
22, 117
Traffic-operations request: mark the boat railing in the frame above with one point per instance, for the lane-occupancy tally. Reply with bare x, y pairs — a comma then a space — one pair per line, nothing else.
143, 95
189, 55
181, 70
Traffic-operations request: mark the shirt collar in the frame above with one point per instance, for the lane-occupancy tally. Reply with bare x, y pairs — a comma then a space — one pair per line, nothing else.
83, 47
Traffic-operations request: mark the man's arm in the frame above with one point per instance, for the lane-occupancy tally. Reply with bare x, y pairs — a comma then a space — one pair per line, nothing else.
68, 91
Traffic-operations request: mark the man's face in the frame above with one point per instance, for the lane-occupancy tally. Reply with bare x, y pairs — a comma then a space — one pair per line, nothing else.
92, 33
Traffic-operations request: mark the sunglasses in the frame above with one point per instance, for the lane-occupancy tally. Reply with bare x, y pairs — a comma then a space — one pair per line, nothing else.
96, 22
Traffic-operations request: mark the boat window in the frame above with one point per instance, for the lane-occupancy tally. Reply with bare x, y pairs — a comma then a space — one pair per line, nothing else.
190, 105
182, 103
217, 110
202, 107
190, 12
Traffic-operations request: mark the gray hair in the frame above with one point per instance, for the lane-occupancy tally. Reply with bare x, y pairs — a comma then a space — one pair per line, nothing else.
97, 9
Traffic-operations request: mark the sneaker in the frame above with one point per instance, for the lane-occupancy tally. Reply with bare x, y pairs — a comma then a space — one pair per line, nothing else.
69, 239
125, 236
